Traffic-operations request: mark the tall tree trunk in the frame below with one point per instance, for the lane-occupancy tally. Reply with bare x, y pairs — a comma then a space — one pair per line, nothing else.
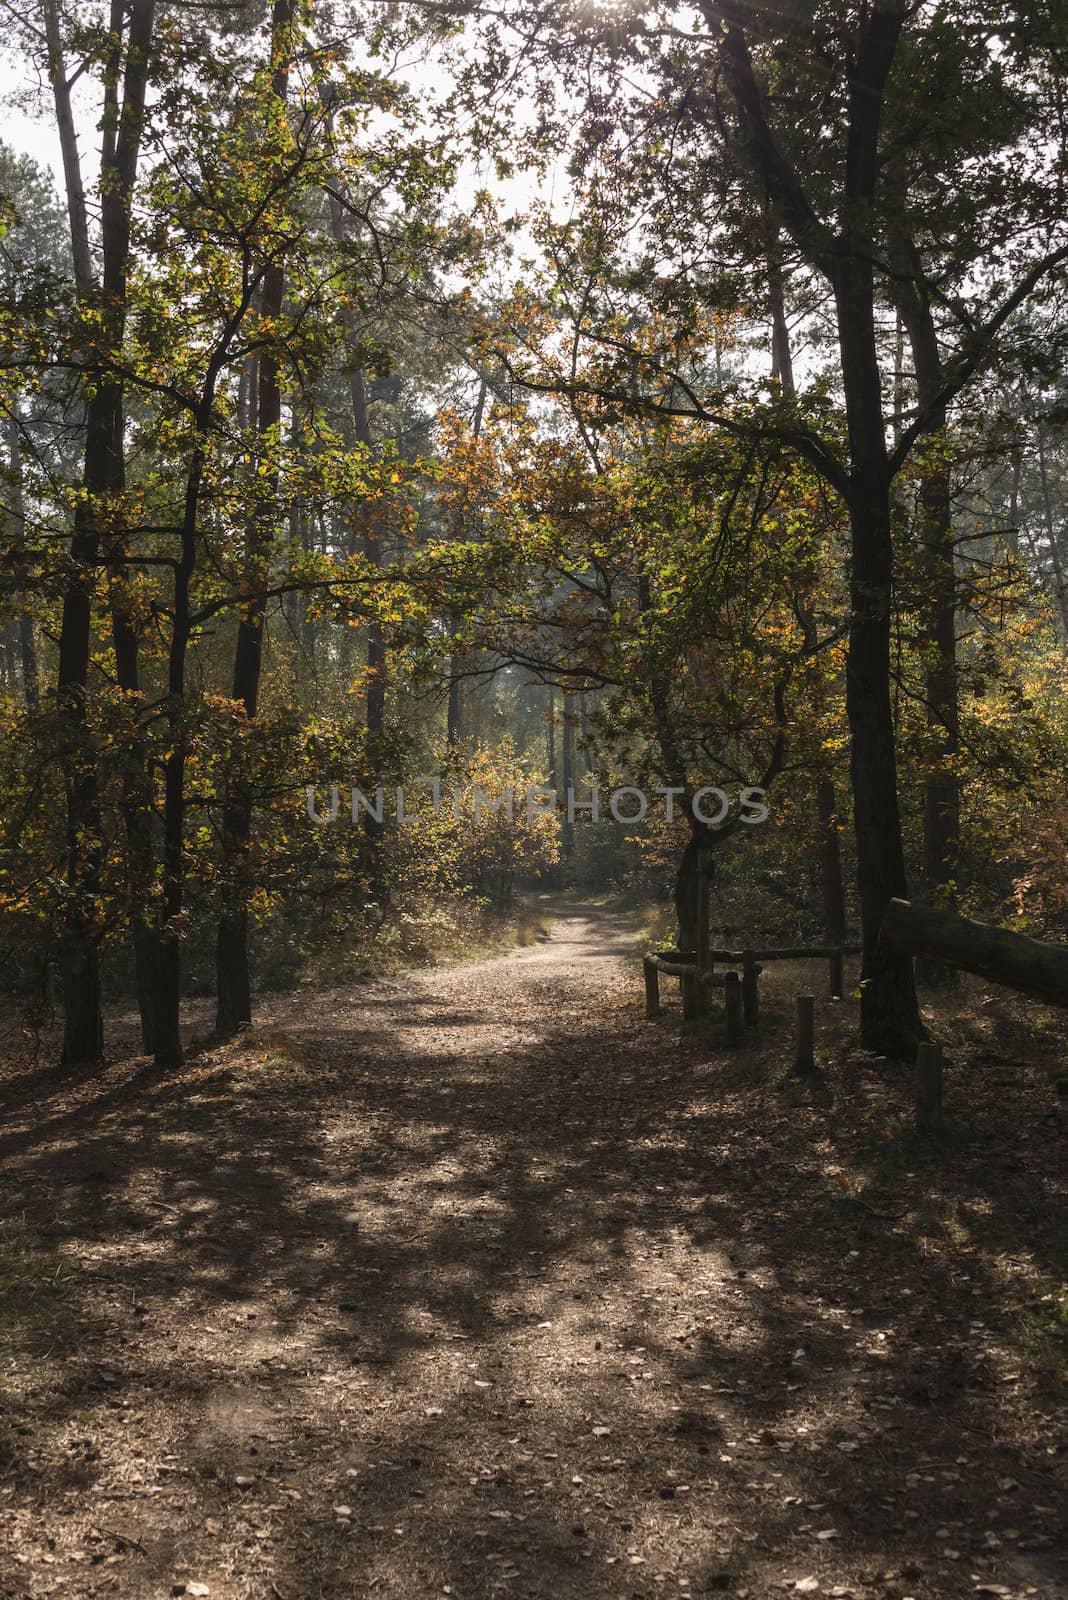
584, 731
550, 737
120, 149
941, 828
889, 1013
833, 887
167, 970
79, 961
686, 890
168, 966
890, 1019
233, 981
31, 691
68, 146
567, 827
941, 832
364, 531
782, 362
137, 806
103, 482
453, 714
377, 661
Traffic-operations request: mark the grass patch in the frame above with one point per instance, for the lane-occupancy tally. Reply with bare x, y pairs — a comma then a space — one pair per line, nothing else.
1042, 1334
427, 933
1047, 1315
654, 925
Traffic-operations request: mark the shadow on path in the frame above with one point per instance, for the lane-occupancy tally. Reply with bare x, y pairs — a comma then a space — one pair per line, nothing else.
548, 1300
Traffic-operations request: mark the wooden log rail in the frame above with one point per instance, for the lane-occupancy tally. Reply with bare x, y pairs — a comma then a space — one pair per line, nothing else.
676, 966
699, 977
833, 954
1037, 969
742, 997
801, 952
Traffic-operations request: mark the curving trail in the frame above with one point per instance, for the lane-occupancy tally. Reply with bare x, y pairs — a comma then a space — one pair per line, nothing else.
477, 1284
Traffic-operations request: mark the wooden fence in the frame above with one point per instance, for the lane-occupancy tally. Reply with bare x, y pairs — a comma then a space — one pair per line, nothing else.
696, 981
741, 989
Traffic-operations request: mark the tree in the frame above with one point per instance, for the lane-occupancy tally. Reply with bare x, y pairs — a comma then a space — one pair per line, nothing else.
724, 122
34, 261
98, 515
661, 567
233, 983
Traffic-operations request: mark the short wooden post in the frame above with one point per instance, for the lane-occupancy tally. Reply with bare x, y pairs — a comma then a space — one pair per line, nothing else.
652, 987
837, 985
750, 992
805, 1058
732, 995
929, 1088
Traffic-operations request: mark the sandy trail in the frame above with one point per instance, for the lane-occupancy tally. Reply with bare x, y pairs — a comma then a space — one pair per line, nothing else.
475, 1283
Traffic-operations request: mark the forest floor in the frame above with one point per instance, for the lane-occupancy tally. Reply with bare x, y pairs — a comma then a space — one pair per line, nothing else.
474, 1283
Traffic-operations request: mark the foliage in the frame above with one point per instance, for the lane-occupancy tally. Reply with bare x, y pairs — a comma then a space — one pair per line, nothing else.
535, 504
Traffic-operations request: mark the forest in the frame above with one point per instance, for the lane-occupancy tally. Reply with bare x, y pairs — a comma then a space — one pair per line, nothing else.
498, 499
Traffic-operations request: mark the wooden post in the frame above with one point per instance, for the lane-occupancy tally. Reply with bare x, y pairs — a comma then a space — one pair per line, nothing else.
805, 1059
652, 987
929, 1088
750, 993
836, 963
732, 994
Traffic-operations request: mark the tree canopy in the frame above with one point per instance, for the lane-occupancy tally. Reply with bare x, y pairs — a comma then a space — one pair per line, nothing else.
566, 396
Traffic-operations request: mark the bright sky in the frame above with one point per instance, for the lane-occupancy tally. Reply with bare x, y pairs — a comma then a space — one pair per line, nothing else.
17, 128
35, 134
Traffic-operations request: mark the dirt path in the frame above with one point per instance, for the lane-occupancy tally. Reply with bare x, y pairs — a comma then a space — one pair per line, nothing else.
477, 1284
